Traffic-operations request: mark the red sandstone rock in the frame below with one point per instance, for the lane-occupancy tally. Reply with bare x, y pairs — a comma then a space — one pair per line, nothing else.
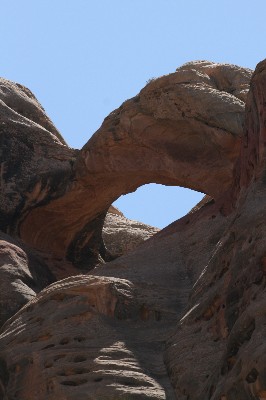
182, 129
121, 235
22, 274
22, 101
226, 314
35, 163
82, 341
199, 284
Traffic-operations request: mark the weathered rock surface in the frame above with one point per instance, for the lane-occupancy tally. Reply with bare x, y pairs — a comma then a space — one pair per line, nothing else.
178, 129
35, 163
22, 275
82, 341
158, 276
22, 101
226, 312
121, 235
183, 315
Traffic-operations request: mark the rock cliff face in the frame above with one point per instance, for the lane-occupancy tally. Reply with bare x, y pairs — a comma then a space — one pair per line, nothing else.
182, 316
226, 311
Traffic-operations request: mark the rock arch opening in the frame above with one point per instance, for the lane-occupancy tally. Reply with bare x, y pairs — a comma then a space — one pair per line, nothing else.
158, 205
137, 216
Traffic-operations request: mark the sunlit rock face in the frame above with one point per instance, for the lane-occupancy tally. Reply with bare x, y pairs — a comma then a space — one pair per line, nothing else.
122, 235
181, 316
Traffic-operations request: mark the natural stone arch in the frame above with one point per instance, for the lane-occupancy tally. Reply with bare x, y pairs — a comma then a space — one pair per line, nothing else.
182, 129
224, 311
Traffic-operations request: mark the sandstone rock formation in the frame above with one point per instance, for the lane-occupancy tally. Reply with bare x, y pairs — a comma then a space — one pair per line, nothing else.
36, 164
22, 275
227, 304
174, 132
121, 235
183, 315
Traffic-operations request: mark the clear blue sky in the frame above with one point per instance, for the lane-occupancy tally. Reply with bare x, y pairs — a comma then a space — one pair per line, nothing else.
83, 58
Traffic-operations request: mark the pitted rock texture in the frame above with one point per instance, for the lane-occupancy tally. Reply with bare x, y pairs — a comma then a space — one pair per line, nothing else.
82, 341
226, 312
154, 281
121, 235
183, 315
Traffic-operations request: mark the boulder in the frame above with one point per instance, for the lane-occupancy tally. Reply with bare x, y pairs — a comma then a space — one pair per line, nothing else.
121, 235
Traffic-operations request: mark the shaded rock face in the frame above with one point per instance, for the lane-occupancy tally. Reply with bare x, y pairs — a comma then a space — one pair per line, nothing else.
22, 275
35, 162
183, 315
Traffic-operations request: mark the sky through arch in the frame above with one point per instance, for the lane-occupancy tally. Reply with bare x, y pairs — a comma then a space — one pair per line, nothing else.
160, 203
